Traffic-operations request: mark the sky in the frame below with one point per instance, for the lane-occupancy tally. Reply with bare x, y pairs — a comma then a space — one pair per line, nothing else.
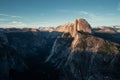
52, 13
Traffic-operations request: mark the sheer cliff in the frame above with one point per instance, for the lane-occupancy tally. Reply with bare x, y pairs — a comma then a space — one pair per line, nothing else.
80, 55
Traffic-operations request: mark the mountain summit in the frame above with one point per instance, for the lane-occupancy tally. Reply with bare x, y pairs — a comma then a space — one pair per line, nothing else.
82, 25
81, 55
79, 25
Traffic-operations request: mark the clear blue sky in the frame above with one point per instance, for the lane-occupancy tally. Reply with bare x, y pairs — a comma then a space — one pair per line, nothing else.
29, 13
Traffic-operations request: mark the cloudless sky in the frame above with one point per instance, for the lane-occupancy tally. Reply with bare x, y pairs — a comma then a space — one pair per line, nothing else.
36, 13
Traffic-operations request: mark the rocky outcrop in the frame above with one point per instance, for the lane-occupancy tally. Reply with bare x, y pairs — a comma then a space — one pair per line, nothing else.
82, 56
80, 25
90, 58
68, 27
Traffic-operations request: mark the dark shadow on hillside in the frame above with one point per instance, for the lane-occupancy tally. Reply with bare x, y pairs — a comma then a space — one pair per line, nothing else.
111, 37
33, 48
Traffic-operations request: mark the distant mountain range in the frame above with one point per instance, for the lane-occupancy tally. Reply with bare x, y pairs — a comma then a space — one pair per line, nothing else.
61, 28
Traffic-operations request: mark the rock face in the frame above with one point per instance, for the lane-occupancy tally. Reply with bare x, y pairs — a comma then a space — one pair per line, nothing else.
79, 25
82, 25
65, 28
82, 56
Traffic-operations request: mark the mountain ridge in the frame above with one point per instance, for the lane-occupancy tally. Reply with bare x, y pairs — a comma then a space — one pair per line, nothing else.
75, 53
